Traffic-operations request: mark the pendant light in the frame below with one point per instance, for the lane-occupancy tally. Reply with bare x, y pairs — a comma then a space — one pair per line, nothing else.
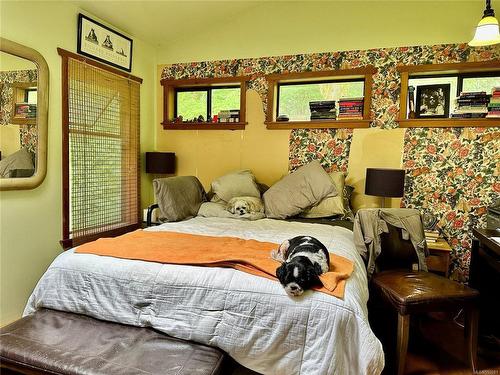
487, 32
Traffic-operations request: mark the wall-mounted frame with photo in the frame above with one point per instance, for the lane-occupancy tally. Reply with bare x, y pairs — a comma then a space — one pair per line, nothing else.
104, 44
433, 101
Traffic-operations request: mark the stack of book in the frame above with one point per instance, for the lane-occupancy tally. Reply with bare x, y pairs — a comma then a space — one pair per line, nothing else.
471, 105
494, 105
25, 110
431, 236
232, 115
323, 110
351, 109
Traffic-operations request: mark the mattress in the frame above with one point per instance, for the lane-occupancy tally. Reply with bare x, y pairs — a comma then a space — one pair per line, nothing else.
249, 317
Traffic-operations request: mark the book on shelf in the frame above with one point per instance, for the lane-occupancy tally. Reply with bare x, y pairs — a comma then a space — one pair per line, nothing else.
471, 105
432, 236
494, 104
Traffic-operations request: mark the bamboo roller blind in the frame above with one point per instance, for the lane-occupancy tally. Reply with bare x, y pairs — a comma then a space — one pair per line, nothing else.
103, 127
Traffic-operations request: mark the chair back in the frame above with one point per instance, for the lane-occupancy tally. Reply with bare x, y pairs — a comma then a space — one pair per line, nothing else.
396, 252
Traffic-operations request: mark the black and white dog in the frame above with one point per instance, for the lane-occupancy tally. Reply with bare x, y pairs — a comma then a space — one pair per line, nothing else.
303, 259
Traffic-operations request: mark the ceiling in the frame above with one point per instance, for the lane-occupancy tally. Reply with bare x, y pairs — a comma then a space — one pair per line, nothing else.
163, 22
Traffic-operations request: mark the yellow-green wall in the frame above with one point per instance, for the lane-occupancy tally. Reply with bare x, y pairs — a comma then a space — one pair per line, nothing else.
30, 220
291, 27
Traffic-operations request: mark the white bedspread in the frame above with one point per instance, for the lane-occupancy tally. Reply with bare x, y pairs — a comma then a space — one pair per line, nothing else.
249, 317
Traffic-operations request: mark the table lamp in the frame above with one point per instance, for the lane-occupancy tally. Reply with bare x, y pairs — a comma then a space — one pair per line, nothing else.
385, 182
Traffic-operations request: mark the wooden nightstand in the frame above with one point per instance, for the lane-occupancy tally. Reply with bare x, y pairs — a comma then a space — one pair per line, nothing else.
438, 260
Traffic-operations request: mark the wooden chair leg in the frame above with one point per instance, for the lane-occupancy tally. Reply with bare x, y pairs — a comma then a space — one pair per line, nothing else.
471, 328
402, 342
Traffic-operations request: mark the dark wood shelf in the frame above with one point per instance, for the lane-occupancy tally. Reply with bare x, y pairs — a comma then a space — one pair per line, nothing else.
206, 126
449, 122
318, 124
23, 121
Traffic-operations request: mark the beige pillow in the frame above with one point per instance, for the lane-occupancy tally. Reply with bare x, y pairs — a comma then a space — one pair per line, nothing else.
178, 197
237, 184
330, 206
304, 188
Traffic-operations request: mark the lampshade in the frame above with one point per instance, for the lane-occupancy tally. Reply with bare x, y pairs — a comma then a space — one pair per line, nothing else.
384, 182
487, 31
160, 162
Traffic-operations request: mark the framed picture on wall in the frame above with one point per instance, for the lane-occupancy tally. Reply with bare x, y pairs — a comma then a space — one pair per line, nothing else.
104, 44
433, 101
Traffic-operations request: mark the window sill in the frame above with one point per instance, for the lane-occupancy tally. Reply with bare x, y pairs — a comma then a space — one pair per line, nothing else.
206, 126
318, 124
449, 122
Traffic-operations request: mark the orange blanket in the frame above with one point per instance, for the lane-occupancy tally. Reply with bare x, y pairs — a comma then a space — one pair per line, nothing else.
179, 248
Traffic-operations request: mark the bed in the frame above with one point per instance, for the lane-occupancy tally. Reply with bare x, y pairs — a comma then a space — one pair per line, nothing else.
249, 317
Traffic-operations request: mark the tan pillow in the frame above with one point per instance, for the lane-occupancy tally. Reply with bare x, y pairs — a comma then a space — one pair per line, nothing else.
21, 159
330, 206
304, 188
237, 184
178, 197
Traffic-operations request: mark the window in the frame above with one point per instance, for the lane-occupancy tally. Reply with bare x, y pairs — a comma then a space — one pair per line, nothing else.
478, 83
320, 99
31, 96
458, 85
449, 95
190, 103
185, 100
293, 98
101, 141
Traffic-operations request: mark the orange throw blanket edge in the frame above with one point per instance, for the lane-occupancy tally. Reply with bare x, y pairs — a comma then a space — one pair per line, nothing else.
249, 256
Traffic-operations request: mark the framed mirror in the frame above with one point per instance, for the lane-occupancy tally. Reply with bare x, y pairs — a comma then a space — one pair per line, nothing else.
24, 98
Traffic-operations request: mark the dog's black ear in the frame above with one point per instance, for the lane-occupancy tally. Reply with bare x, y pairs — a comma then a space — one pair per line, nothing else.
281, 273
317, 269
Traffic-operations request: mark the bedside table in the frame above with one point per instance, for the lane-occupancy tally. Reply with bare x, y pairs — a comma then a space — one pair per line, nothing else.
438, 260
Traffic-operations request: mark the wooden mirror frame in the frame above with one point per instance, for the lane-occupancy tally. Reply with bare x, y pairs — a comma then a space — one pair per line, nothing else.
21, 183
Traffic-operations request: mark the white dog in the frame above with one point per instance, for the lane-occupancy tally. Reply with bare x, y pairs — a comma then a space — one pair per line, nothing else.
245, 205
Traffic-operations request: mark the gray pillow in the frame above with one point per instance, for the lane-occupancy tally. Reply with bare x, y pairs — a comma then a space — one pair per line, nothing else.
21, 159
236, 184
179, 197
302, 189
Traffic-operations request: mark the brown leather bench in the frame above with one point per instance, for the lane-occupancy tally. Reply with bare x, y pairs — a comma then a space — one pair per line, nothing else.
54, 342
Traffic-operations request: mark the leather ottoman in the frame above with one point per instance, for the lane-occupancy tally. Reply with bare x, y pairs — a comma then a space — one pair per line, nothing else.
54, 342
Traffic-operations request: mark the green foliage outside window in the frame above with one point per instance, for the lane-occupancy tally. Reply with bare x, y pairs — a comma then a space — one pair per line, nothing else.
225, 99
485, 84
294, 99
191, 104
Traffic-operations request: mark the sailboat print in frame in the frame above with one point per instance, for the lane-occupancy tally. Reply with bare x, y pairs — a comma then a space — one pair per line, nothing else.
104, 44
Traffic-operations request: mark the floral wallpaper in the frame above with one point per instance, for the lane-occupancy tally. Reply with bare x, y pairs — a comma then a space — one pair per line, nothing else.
28, 136
451, 173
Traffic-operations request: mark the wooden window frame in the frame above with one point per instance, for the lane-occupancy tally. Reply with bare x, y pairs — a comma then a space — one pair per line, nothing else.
342, 75
461, 70
68, 242
170, 88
